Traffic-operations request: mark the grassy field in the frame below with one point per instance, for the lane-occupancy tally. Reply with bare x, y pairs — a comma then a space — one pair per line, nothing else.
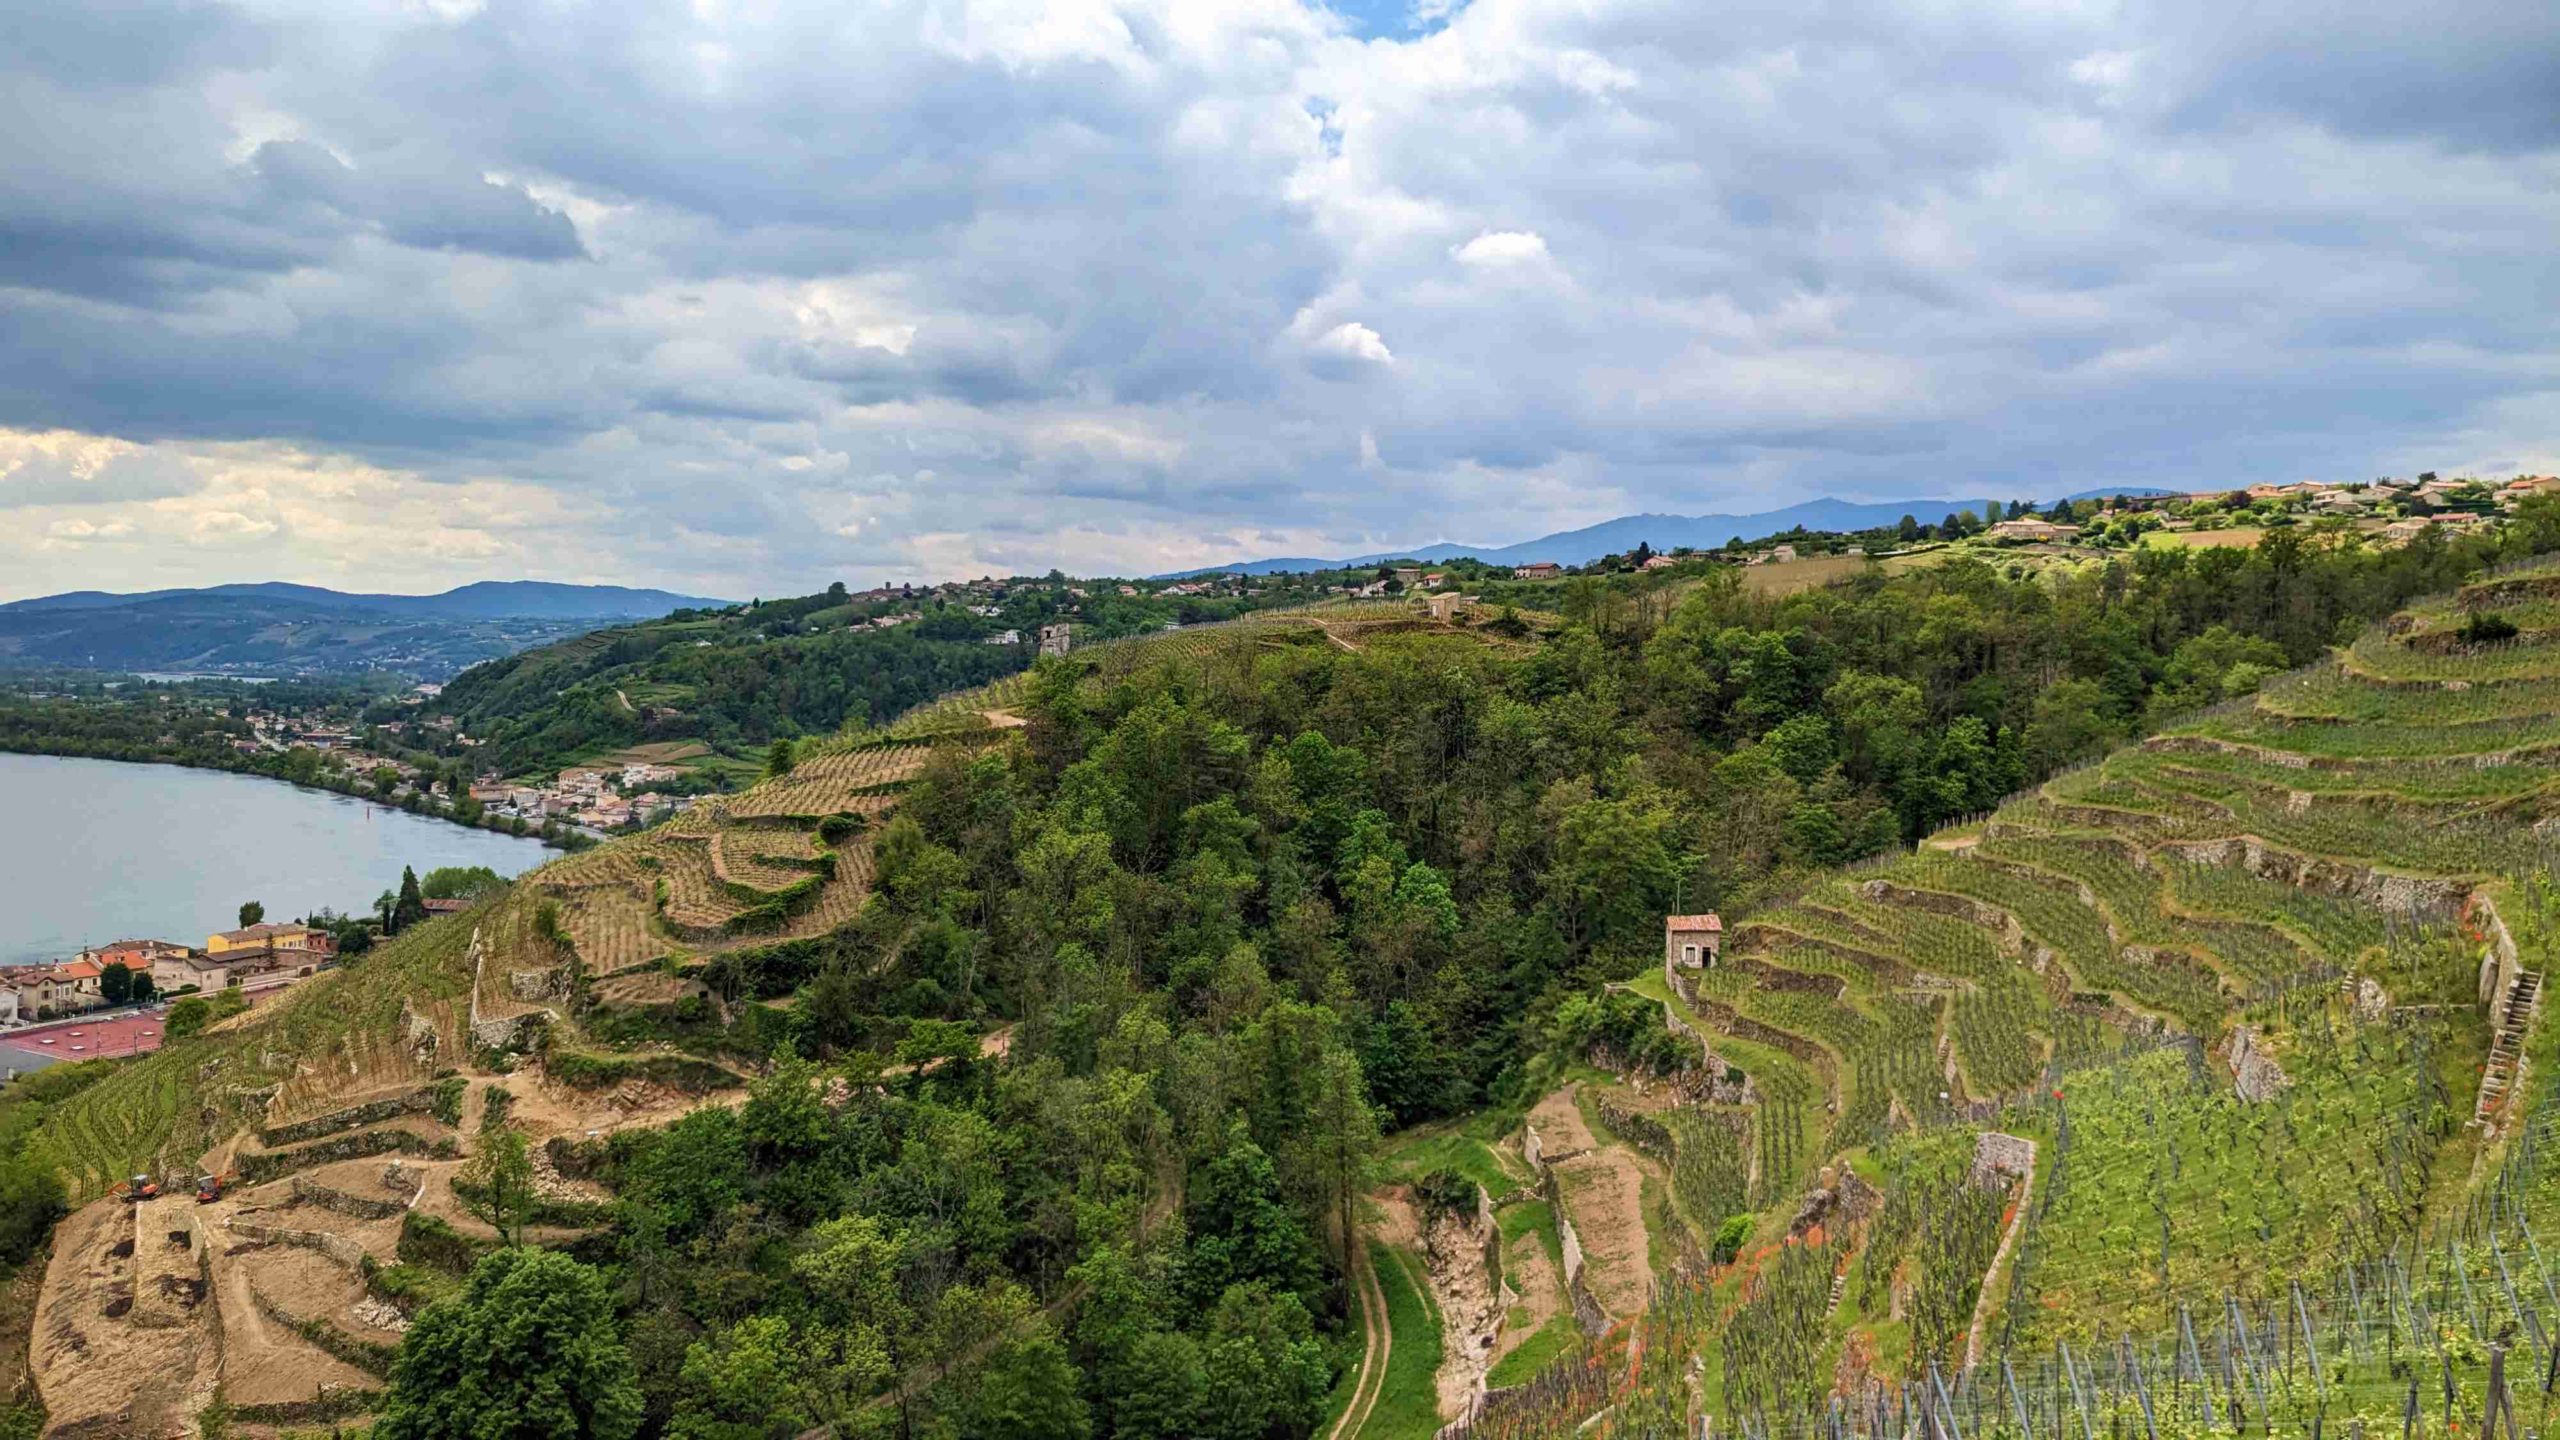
1789, 576
2236, 538
1408, 1405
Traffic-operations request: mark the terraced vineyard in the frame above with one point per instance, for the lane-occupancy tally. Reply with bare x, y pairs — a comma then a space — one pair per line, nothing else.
2260, 993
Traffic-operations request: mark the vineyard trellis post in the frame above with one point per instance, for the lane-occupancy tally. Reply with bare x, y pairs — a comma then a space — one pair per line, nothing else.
1945, 1404
2310, 1347
2026, 1427
2079, 1397
2194, 1355
2141, 1392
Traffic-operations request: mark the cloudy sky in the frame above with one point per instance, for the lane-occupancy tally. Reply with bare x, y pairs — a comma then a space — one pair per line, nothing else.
743, 297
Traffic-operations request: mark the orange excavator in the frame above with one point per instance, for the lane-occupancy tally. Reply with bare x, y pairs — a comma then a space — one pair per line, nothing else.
138, 1189
209, 1188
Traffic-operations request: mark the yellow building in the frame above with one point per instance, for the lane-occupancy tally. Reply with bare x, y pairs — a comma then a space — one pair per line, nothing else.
272, 936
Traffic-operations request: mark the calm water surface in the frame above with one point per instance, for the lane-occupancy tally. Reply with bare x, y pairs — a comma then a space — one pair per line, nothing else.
99, 850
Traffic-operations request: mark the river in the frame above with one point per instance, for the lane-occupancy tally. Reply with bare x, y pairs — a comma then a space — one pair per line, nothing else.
100, 850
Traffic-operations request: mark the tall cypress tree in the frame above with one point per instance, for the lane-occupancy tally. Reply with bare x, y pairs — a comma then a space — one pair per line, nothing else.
411, 907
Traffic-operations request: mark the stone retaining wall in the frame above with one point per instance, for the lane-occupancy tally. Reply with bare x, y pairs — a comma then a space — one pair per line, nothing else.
372, 1112
337, 1247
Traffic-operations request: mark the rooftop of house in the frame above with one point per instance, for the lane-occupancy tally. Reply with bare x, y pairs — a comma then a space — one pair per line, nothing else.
266, 931
1710, 922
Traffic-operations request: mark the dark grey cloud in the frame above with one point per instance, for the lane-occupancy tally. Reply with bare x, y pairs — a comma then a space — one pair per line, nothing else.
429, 203
781, 293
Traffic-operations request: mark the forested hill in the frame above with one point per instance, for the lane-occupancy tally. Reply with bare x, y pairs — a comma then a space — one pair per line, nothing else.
990, 1079
738, 678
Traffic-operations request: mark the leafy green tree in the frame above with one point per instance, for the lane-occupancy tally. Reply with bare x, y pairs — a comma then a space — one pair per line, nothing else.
2068, 723
1815, 835
460, 882
689, 1175
1264, 1369
1615, 863
115, 984
31, 1200
498, 1181
1158, 1388
251, 913
527, 1351
1242, 1227
1027, 1389
1802, 746
742, 1384
187, 1017
785, 1119
779, 757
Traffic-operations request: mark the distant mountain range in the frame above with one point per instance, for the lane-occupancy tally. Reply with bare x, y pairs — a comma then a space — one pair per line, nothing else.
279, 628
485, 600
1663, 532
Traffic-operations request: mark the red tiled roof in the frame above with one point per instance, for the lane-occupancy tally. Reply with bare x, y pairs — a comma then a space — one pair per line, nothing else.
1709, 921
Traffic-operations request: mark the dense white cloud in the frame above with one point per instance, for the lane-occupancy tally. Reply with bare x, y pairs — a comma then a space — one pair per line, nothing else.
747, 297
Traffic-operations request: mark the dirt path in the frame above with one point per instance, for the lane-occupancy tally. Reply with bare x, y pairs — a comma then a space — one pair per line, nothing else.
1379, 1341
1561, 1127
1004, 719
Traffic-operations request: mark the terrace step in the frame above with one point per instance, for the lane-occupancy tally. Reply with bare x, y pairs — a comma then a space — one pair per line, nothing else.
2506, 1046
1839, 1288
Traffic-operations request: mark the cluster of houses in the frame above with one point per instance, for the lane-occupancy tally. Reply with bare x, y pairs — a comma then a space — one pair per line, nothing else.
253, 958
2397, 510
599, 797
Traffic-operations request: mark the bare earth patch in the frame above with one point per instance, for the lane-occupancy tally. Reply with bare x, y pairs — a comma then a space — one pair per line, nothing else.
1603, 1191
91, 1362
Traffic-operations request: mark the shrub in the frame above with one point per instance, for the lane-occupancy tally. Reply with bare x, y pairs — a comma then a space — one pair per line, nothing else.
1446, 1191
2485, 626
187, 1017
446, 1103
428, 1241
1730, 1237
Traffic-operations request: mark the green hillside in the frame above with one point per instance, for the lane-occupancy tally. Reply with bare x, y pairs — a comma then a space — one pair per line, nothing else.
2262, 990
730, 681
1087, 1022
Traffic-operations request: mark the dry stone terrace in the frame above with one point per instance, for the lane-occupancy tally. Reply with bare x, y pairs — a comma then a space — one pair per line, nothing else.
2236, 1021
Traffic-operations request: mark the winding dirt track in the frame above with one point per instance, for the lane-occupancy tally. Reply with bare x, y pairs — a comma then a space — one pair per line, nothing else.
1373, 1354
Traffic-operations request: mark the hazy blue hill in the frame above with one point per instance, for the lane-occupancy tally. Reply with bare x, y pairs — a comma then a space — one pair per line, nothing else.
483, 600
1663, 532
279, 628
